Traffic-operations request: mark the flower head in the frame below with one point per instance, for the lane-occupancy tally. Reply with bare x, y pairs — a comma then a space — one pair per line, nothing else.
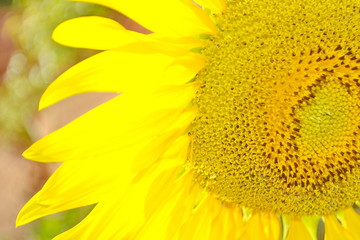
239, 120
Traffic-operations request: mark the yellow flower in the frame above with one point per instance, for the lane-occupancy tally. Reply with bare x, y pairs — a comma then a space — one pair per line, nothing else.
238, 120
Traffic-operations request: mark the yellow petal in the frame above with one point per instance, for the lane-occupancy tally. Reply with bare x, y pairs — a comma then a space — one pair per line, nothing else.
311, 223
185, 67
213, 5
198, 225
111, 219
334, 230
151, 153
183, 42
169, 208
162, 199
141, 68
178, 149
254, 228
121, 122
225, 225
271, 226
120, 216
184, 208
74, 185
352, 222
95, 33
154, 227
161, 16
298, 230
163, 188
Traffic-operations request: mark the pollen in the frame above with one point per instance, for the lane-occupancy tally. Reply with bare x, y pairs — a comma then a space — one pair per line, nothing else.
278, 127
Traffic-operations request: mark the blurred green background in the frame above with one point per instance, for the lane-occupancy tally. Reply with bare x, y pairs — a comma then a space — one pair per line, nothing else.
29, 61
35, 60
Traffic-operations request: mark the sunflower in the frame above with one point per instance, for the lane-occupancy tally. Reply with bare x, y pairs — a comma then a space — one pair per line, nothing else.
237, 119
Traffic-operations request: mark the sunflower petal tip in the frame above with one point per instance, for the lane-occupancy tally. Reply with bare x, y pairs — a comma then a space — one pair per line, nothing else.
46, 100
35, 153
19, 221
54, 33
22, 218
25, 154
28, 153
57, 34
43, 104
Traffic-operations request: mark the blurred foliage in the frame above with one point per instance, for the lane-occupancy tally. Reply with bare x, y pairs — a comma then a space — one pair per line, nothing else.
5, 2
37, 60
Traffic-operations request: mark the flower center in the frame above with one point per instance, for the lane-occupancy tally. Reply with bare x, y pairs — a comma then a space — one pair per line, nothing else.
279, 107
